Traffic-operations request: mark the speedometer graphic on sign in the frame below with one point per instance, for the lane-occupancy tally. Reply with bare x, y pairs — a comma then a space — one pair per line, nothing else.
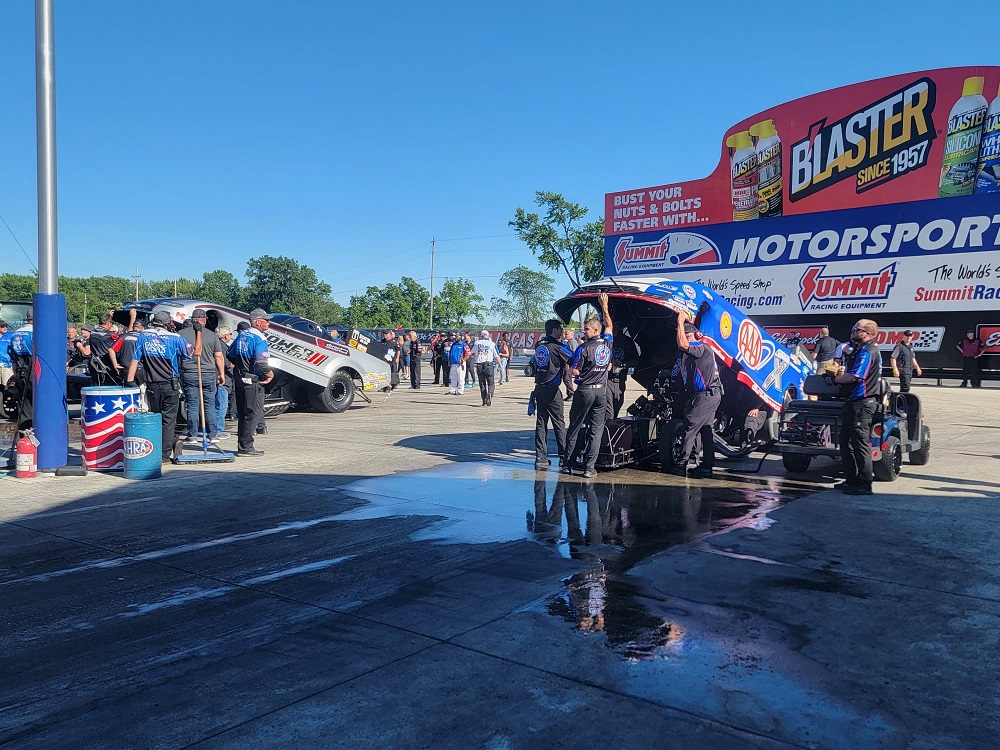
688, 250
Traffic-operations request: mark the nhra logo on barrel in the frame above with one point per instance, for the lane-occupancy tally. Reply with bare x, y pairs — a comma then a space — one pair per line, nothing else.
136, 447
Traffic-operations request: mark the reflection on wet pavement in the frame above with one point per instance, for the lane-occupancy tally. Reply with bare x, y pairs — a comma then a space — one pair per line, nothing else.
615, 522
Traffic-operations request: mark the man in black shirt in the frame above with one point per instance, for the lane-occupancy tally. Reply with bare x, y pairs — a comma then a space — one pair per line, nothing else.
861, 387
704, 394
826, 348
104, 367
904, 361
618, 372
551, 357
590, 363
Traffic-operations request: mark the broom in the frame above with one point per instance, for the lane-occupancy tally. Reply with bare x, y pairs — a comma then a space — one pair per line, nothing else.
218, 456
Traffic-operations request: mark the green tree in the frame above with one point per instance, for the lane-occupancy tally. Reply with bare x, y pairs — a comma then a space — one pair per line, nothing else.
458, 304
529, 298
404, 304
560, 239
222, 288
280, 284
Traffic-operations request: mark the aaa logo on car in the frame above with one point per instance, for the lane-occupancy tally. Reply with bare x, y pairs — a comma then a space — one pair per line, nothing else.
137, 447
751, 346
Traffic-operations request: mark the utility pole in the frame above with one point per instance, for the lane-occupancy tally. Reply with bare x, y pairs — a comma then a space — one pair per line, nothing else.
175, 286
84, 321
136, 277
431, 321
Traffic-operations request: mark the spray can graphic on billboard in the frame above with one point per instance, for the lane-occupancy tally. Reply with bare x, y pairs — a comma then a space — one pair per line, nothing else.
744, 176
988, 177
768, 150
961, 148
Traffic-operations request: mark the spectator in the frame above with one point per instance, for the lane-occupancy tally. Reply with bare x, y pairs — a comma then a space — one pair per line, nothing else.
904, 361
972, 349
404, 356
470, 372
484, 354
445, 346
225, 395
570, 342
415, 351
435, 358
457, 356
504, 350
825, 351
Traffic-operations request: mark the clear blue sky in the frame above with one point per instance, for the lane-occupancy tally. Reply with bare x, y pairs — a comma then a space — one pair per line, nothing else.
195, 134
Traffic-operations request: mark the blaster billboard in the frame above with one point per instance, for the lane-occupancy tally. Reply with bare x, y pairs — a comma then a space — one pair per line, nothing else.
880, 196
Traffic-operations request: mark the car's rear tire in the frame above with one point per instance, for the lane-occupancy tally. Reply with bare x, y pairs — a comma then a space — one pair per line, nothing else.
922, 455
797, 463
336, 397
887, 468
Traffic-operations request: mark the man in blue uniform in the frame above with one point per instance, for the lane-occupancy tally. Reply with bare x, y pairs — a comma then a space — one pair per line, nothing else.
160, 351
249, 355
590, 365
860, 381
704, 393
551, 356
21, 350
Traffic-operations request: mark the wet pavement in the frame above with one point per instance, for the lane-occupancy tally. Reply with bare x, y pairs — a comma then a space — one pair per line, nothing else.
428, 588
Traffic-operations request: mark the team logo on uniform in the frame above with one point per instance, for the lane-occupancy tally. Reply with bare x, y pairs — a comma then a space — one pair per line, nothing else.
542, 356
603, 355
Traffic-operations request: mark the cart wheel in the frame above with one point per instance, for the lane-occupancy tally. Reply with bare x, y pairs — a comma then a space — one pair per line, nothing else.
923, 454
670, 444
888, 467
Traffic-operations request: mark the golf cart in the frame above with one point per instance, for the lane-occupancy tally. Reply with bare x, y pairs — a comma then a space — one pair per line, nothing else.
811, 428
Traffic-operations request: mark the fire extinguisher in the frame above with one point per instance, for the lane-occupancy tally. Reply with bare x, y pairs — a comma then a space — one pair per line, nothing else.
27, 458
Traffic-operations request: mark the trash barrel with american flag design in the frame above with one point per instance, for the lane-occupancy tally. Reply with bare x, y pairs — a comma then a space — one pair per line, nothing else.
102, 425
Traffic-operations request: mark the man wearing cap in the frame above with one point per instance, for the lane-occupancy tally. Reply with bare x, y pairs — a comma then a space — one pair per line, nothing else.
703, 387
249, 355
971, 348
445, 351
161, 351
213, 373
416, 351
861, 389
485, 356
904, 361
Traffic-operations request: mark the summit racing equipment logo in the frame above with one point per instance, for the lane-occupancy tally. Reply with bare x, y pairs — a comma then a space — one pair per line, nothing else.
677, 249
877, 143
815, 287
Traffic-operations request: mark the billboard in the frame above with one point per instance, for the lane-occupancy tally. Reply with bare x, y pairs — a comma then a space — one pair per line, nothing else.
884, 195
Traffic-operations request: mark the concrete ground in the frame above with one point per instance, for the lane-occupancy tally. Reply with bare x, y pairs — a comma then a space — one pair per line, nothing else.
400, 576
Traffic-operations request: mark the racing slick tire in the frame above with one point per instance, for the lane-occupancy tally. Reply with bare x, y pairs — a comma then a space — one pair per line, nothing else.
887, 468
669, 444
922, 455
336, 397
797, 463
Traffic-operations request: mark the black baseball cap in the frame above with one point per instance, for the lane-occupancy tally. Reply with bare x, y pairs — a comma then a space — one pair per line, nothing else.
161, 318
690, 328
199, 313
907, 332
3, 323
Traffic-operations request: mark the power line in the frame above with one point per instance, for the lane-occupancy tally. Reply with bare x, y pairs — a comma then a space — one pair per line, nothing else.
30, 262
484, 237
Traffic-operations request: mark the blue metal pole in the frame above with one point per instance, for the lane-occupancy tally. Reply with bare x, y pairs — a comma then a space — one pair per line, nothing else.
51, 414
